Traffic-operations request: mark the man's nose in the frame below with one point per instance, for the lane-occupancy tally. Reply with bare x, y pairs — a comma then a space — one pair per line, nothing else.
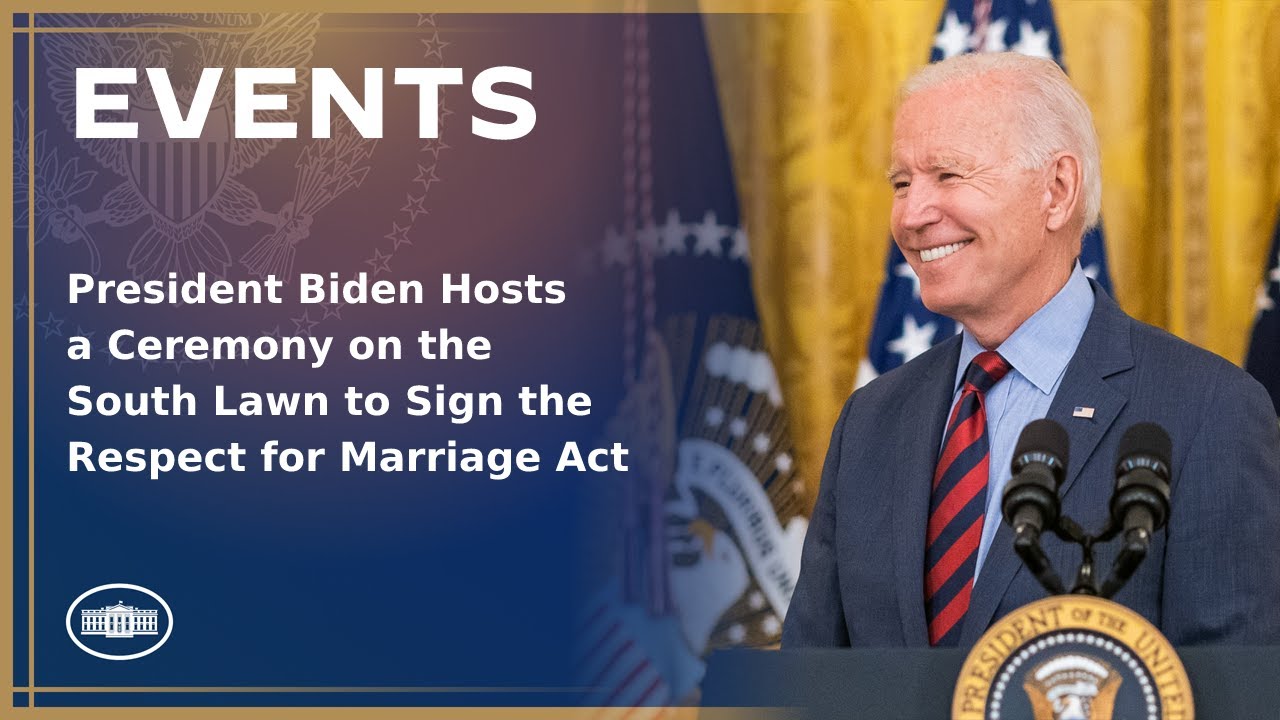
918, 207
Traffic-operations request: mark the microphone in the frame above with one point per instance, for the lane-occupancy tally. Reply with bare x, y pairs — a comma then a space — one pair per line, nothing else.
1030, 502
1141, 500
1140, 504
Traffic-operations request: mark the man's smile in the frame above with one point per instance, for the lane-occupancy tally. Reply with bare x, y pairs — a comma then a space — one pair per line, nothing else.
931, 254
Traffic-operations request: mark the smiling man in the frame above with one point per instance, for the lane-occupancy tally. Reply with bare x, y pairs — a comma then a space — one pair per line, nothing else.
996, 177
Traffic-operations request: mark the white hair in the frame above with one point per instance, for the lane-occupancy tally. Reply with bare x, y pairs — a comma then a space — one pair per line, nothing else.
1050, 110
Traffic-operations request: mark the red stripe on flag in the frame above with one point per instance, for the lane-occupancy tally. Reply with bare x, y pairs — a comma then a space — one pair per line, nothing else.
595, 682
657, 682
630, 678
603, 638
594, 617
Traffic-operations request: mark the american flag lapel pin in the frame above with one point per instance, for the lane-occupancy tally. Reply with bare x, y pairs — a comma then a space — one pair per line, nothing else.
1082, 412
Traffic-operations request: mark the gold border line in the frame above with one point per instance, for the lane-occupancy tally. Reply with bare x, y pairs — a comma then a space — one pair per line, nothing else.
187, 30
7, 329
419, 713
405, 7
301, 689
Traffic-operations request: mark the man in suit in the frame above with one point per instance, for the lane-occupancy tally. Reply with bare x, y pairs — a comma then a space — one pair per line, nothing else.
996, 178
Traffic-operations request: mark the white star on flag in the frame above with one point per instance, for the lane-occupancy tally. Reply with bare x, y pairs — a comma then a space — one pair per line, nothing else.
1032, 42
915, 339
708, 235
1263, 300
904, 270
673, 234
953, 38
740, 249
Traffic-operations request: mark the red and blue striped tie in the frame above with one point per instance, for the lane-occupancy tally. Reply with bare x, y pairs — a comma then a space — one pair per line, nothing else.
958, 503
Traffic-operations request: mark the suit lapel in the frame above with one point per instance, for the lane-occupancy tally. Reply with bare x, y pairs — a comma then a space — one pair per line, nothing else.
919, 437
1105, 349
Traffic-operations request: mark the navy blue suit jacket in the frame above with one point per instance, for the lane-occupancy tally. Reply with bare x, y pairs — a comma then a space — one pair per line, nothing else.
1212, 576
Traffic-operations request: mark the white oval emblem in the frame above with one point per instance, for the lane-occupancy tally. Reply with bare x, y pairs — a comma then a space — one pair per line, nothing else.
130, 625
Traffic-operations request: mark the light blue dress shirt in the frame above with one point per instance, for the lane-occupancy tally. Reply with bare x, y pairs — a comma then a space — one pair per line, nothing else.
1039, 351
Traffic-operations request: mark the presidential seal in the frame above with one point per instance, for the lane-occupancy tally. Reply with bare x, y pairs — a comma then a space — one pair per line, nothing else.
1072, 657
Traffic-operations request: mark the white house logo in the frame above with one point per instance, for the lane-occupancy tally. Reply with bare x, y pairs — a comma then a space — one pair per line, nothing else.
119, 621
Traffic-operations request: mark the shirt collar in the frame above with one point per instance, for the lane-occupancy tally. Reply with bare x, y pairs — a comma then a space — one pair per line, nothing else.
1041, 347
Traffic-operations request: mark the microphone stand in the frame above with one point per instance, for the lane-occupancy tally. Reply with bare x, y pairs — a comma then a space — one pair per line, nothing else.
1137, 542
1026, 542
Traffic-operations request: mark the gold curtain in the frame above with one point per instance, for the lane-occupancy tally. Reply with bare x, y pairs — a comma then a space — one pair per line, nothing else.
1186, 97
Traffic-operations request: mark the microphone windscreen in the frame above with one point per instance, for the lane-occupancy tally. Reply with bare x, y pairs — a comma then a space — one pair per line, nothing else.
1043, 436
1148, 439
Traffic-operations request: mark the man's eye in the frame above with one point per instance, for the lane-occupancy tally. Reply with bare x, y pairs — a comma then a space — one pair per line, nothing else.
900, 185
947, 176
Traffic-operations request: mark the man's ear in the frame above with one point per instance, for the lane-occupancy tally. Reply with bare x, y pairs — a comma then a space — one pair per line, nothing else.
1065, 192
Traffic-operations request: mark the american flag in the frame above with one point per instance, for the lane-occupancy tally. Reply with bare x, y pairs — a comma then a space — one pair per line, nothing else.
1264, 346
628, 657
903, 327
702, 406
